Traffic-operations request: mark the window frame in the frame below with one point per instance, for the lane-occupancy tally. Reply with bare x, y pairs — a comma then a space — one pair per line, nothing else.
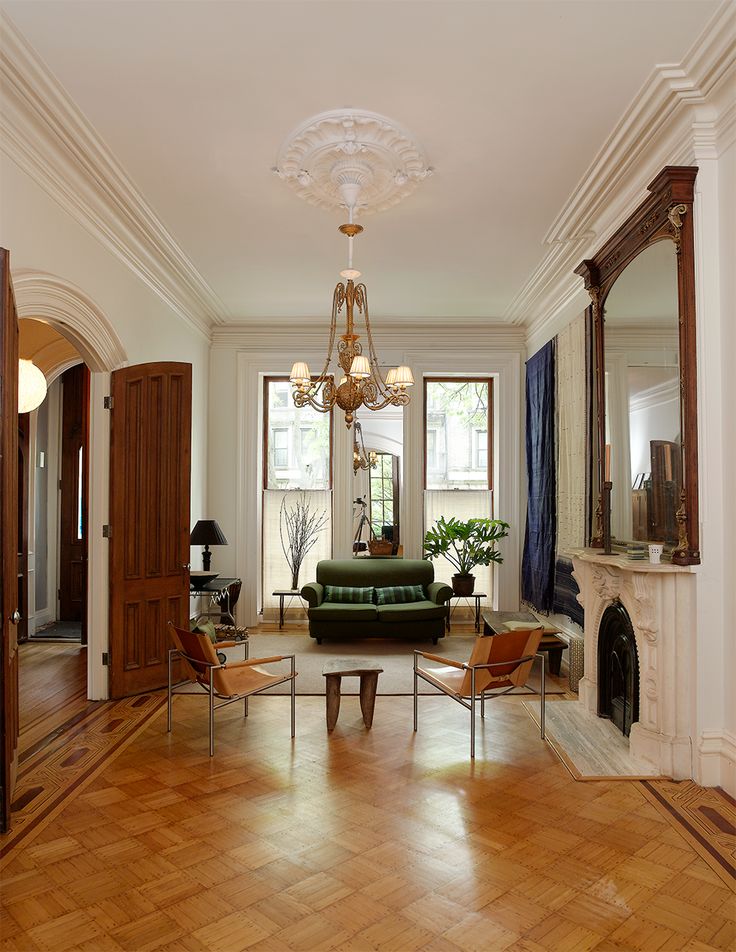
279, 378
489, 428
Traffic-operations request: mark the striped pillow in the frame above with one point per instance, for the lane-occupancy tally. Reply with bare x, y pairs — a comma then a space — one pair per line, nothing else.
399, 594
349, 594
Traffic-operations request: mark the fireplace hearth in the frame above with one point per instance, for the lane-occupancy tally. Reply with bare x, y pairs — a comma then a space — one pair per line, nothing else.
618, 669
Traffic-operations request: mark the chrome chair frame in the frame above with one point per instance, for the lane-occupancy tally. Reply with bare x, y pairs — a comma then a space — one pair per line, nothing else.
209, 690
470, 706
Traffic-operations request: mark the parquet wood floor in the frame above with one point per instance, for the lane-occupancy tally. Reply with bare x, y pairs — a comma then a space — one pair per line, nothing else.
52, 690
358, 840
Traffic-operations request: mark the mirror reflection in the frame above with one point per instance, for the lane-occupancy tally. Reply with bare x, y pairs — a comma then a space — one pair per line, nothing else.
376, 523
643, 440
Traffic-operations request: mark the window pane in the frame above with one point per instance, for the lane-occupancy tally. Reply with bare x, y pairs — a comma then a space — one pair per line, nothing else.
298, 442
456, 429
276, 572
461, 505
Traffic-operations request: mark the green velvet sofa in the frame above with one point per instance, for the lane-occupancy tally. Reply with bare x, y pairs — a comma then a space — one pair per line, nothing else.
423, 619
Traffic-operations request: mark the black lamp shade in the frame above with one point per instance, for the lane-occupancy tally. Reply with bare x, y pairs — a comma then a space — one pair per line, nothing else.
207, 532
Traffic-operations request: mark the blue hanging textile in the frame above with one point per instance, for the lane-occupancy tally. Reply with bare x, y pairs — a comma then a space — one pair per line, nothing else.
538, 563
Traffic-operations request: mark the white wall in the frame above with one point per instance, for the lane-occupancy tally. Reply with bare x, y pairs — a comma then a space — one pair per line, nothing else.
41, 236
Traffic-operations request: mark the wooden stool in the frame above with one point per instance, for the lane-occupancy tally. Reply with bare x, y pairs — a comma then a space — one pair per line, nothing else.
367, 671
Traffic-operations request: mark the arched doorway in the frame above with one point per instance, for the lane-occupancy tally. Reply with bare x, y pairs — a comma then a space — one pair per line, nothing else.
79, 322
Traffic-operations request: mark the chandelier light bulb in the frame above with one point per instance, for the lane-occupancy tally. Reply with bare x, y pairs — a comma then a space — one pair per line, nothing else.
300, 374
360, 369
404, 377
31, 386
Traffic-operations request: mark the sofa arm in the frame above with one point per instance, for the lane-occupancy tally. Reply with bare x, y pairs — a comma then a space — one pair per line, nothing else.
313, 593
439, 592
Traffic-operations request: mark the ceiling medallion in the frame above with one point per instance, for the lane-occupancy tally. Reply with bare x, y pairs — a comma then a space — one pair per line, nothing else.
355, 147
361, 162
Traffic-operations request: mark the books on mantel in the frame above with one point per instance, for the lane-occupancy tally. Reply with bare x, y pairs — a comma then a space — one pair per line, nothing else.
632, 550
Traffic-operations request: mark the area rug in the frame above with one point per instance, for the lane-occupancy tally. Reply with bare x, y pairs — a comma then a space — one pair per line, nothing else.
706, 817
590, 747
59, 631
396, 657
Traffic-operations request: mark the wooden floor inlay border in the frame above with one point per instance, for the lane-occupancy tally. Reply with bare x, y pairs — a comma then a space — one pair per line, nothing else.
61, 765
706, 816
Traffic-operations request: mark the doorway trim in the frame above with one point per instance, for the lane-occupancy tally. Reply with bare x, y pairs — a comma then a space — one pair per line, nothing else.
43, 296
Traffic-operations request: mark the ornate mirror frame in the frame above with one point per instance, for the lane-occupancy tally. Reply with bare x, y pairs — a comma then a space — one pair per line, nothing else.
667, 214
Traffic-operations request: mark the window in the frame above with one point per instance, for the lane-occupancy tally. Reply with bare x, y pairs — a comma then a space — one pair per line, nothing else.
458, 474
480, 449
280, 438
297, 470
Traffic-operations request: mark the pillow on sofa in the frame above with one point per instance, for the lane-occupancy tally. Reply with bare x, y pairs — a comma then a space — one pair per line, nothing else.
348, 594
400, 594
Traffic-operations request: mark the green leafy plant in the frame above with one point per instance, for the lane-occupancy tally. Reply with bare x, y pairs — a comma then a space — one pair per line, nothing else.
465, 544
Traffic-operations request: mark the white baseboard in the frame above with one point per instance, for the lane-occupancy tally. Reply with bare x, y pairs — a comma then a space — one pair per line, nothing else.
716, 760
43, 617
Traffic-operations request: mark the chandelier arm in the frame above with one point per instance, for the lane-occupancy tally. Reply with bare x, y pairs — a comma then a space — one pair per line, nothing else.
395, 399
380, 382
302, 399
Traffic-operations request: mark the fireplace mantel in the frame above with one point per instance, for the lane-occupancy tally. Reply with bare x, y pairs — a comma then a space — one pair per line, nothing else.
660, 600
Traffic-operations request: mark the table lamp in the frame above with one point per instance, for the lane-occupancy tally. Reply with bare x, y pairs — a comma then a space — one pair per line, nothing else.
206, 532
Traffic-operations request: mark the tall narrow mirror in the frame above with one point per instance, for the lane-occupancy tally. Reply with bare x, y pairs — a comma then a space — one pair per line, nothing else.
643, 447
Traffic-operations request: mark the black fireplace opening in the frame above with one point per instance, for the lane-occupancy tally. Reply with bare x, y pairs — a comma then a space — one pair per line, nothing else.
618, 669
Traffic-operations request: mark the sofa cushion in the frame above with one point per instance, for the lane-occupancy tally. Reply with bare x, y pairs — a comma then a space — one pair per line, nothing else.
400, 594
349, 594
343, 611
412, 611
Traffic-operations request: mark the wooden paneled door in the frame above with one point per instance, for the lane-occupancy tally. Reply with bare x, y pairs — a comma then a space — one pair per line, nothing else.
73, 498
150, 461
8, 539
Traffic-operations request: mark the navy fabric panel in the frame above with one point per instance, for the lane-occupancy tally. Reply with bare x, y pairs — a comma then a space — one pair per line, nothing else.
566, 592
538, 563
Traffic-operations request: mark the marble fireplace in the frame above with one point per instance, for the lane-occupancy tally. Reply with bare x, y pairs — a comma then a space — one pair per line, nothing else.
659, 601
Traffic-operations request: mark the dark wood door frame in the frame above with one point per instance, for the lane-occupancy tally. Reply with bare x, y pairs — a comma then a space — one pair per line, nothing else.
8, 540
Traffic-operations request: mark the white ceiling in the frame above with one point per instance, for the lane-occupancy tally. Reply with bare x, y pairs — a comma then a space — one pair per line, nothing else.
511, 101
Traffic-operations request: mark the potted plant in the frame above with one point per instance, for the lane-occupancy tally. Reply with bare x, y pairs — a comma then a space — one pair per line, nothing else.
465, 545
299, 526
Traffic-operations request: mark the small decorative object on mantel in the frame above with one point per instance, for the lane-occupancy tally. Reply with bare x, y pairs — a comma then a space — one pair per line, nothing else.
465, 545
299, 526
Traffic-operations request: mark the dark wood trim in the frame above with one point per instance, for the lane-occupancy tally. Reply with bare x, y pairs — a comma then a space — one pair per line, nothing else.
665, 215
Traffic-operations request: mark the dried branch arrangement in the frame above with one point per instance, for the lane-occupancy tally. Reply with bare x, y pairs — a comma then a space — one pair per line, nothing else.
299, 526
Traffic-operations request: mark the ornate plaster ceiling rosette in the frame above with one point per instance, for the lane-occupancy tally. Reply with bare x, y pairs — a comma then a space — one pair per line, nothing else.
350, 157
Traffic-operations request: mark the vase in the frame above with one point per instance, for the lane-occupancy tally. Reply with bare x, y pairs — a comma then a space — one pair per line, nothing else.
463, 584
295, 578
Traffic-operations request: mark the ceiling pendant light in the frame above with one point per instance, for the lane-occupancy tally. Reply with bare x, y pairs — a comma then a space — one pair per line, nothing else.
359, 161
31, 386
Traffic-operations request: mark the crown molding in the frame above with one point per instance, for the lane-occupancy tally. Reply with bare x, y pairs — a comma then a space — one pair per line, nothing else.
448, 335
663, 125
46, 134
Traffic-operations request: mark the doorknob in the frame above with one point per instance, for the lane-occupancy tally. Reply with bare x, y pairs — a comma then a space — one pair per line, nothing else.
15, 617
186, 565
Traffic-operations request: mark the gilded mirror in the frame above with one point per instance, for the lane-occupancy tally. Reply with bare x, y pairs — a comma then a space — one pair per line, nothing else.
641, 285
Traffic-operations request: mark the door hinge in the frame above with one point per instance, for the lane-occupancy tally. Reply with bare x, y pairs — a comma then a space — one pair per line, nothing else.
107, 402
58, 594
106, 659
107, 531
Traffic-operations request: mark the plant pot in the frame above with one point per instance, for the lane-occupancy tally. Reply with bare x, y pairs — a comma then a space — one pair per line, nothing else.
463, 584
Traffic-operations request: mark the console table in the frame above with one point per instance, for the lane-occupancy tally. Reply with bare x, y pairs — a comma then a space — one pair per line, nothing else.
221, 603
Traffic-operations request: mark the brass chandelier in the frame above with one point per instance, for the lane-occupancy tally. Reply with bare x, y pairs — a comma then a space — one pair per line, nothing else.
361, 383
